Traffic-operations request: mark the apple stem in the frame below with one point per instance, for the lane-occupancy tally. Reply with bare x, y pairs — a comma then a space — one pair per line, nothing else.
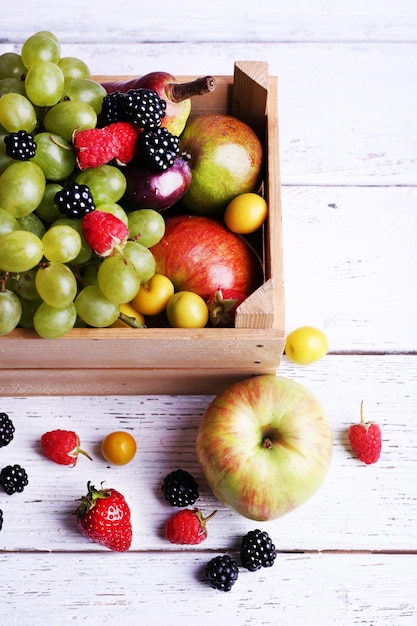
178, 92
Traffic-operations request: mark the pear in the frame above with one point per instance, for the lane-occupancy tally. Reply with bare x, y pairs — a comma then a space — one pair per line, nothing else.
225, 157
177, 95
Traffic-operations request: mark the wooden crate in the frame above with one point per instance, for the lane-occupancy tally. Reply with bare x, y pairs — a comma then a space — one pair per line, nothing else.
166, 360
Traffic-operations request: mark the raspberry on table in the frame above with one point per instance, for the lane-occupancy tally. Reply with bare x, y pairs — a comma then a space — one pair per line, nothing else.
13, 478
222, 572
20, 146
6, 430
75, 200
180, 488
257, 550
158, 148
365, 440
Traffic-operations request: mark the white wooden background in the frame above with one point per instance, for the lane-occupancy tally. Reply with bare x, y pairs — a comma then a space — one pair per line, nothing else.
348, 149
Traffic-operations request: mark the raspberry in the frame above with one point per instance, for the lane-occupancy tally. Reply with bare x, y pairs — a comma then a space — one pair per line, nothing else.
104, 232
180, 488
158, 148
6, 430
13, 478
143, 108
94, 147
127, 135
62, 446
75, 200
222, 572
187, 527
257, 550
365, 440
20, 146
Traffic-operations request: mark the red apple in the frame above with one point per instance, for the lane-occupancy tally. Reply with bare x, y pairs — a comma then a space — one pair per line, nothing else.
264, 446
199, 254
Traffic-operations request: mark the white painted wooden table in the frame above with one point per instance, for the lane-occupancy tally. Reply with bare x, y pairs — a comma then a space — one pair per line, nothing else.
348, 131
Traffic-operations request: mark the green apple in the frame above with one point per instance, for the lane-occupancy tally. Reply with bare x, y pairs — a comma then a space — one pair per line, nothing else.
264, 446
225, 159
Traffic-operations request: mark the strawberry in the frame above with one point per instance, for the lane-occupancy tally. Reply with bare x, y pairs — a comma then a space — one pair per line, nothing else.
104, 517
365, 440
104, 232
127, 135
94, 147
222, 306
187, 527
62, 447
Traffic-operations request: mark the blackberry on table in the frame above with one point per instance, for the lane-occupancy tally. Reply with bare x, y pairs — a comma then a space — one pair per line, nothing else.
6, 430
180, 488
143, 108
111, 108
20, 146
222, 572
158, 148
13, 478
75, 200
257, 550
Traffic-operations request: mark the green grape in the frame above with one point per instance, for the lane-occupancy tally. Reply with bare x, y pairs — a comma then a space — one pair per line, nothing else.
51, 323
114, 209
7, 222
56, 284
106, 183
73, 67
20, 251
69, 115
54, 155
10, 311
17, 113
22, 186
24, 285
29, 308
94, 308
147, 225
85, 252
5, 160
89, 275
44, 84
47, 209
47, 33
40, 47
12, 85
141, 258
61, 243
118, 279
33, 224
11, 66
85, 90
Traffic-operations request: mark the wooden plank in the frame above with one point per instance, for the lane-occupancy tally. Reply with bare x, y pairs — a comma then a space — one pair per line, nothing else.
313, 589
358, 507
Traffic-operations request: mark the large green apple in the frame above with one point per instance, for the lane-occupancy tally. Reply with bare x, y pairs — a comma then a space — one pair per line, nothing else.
264, 446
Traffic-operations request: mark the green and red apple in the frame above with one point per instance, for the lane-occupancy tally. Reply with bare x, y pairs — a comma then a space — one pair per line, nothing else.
264, 446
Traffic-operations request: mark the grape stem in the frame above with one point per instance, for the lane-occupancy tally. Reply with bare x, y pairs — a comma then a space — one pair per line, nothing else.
131, 321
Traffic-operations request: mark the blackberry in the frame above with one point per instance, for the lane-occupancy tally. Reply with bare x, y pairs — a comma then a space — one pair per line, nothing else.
142, 108
257, 550
111, 108
6, 430
158, 148
222, 572
180, 488
20, 146
13, 478
75, 200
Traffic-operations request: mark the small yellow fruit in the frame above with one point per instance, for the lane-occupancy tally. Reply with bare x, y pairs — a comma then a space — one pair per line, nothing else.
245, 213
153, 295
306, 345
118, 447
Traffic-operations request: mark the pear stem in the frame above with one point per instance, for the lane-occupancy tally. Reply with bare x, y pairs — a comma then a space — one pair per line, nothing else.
178, 92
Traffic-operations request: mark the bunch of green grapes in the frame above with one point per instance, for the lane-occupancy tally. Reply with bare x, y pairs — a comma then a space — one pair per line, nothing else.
50, 280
